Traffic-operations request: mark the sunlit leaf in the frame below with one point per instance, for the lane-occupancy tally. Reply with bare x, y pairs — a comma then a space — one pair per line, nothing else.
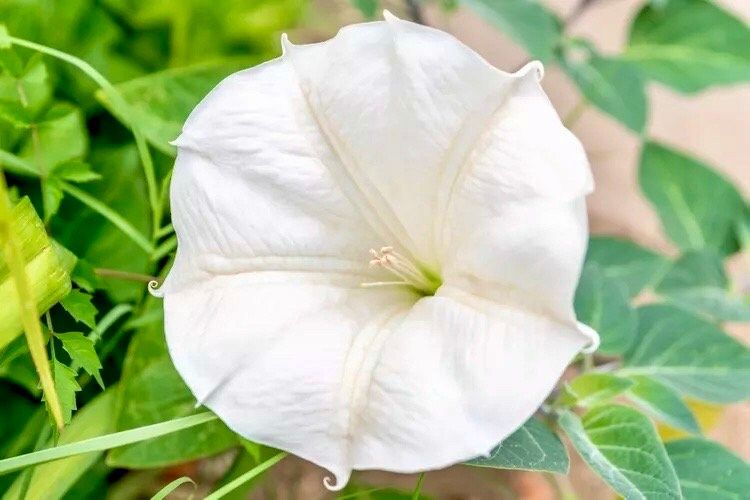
622, 447
82, 353
663, 403
66, 387
78, 304
690, 44
689, 354
708, 470
590, 389
532, 447
698, 208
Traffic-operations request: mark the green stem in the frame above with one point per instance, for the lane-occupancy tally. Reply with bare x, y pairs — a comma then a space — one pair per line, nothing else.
105, 442
575, 114
29, 314
247, 476
120, 104
418, 488
109, 214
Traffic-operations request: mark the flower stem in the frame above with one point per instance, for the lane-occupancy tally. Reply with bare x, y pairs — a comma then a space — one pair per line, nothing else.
29, 314
418, 488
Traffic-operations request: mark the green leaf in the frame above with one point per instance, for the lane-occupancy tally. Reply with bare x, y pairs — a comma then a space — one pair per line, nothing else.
66, 387
663, 403
622, 447
82, 353
611, 84
169, 488
627, 263
697, 282
532, 447
61, 136
47, 274
52, 481
527, 22
84, 275
160, 102
698, 208
368, 8
708, 470
75, 171
603, 304
78, 304
52, 195
591, 389
689, 354
95, 239
690, 45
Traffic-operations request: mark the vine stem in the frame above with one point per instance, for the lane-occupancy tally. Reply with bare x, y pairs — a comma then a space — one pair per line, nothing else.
123, 109
28, 309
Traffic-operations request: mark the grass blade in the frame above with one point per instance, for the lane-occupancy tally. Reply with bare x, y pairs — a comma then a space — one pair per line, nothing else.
247, 476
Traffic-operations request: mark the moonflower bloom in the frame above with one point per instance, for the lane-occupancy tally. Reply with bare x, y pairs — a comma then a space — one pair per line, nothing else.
380, 236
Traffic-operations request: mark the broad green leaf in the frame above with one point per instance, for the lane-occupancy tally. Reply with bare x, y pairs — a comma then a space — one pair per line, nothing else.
151, 391
603, 304
51, 481
622, 447
33, 83
697, 282
698, 208
66, 387
532, 447
95, 239
527, 22
707, 470
162, 101
61, 136
625, 262
690, 45
689, 354
75, 171
591, 389
611, 84
82, 353
78, 304
48, 276
18, 410
662, 403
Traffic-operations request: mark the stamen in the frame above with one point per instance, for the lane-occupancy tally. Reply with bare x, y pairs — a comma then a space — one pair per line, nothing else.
397, 264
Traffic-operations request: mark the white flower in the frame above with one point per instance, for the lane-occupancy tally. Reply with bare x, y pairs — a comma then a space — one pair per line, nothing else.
380, 236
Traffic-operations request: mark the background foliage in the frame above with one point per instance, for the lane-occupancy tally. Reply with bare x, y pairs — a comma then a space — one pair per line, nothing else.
84, 144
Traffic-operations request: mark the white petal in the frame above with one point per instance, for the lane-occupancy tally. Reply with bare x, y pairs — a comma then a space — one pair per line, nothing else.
402, 104
515, 228
363, 379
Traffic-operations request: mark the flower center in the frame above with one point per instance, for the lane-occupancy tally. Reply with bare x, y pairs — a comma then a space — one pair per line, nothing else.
409, 273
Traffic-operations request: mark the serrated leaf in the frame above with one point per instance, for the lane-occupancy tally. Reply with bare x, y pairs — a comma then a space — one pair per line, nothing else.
66, 387
78, 304
708, 470
697, 207
611, 84
690, 45
622, 447
689, 354
532, 447
603, 304
82, 353
627, 263
527, 22
592, 389
697, 282
662, 403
